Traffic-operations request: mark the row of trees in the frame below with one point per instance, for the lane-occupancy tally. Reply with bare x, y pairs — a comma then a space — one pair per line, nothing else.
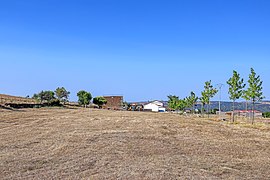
236, 91
190, 101
62, 95
253, 93
86, 97
175, 103
53, 97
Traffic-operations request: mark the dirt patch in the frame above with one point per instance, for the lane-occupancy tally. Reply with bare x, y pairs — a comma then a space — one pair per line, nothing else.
102, 144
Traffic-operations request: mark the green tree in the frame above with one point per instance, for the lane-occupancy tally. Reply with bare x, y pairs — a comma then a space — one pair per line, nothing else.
100, 101
236, 85
36, 97
84, 97
191, 100
44, 96
208, 93
254, 91
47, 97
62, 94
175, 103
204, 100
172, 103
181, 104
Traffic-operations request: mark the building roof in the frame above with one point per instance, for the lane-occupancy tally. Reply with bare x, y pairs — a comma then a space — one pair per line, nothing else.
158, 103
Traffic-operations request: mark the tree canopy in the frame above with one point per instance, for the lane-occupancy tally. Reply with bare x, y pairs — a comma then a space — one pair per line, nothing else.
175, 103
236, 85
84, 97
62, 94
208, 92
254, 90
44, 96
100, 101
191, 100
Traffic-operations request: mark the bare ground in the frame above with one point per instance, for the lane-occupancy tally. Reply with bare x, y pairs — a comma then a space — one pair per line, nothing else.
101, 144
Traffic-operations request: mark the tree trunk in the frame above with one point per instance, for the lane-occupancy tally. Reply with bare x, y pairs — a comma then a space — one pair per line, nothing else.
202, 106
246, 109
248, 116
253, 115
208, 110
233, 112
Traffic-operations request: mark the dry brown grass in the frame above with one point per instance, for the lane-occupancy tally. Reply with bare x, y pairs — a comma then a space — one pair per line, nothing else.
101, 144
15, 99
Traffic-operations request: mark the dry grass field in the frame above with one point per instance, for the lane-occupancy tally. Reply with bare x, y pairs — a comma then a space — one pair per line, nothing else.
15, 99
100, 144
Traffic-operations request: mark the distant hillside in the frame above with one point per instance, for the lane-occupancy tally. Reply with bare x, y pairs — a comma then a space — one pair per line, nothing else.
227, 106
263, 106
7, 99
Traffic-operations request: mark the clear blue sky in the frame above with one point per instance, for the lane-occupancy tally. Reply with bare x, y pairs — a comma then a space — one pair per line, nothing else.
142, 49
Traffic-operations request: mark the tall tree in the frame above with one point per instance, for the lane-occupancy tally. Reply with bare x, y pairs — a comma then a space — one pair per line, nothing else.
208, 93
100, 101
84, 97
254, 91
47, 95
62, 94
204, 100
236, 85
191, 100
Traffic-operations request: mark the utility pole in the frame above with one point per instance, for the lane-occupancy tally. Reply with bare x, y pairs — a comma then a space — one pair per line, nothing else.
219, 103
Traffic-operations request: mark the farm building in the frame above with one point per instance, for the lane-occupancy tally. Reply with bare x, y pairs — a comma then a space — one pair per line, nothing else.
114, 102
155, 106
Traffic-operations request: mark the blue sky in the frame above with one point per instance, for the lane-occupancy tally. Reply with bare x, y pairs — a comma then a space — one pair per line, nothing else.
142, 49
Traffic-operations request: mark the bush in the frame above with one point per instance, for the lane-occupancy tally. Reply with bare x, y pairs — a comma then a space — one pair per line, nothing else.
54, 102
99, 100
266, 114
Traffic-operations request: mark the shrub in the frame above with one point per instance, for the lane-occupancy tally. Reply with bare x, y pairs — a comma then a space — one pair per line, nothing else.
266, 114
54, 102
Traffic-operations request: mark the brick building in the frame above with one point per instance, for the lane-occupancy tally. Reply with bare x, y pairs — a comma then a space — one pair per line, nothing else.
114, 102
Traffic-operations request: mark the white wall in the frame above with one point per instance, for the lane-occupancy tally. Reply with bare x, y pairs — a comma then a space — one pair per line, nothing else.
151, 106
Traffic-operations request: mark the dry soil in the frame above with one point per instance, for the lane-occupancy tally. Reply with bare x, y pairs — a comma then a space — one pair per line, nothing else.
101, 144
